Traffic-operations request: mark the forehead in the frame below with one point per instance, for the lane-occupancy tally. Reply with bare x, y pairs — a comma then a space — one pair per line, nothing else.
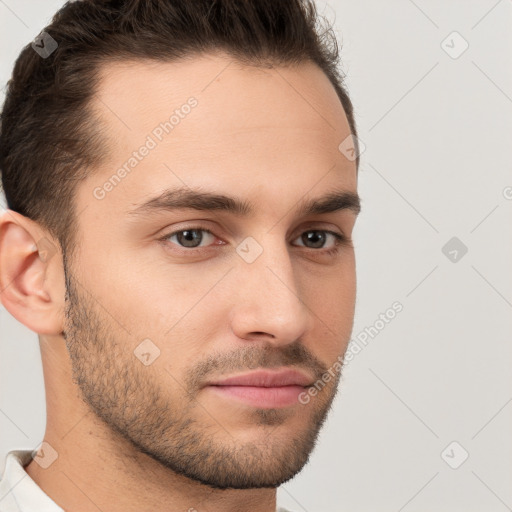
213, 122
132, 90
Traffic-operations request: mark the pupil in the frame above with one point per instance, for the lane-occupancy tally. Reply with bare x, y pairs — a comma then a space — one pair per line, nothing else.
311, 235
189, 238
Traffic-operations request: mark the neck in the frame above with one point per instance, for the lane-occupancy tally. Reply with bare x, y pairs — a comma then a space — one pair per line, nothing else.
98, 471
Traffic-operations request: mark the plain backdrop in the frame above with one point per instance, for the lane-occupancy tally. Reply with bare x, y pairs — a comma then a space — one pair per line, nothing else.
424, 415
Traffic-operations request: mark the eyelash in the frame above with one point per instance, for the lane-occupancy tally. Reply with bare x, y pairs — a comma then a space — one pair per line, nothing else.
340, 240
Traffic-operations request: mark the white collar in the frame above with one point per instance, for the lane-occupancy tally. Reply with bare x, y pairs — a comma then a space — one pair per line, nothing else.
18, 492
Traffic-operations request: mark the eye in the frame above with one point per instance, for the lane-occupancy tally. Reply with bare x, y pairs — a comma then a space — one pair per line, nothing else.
190, 238
318, 237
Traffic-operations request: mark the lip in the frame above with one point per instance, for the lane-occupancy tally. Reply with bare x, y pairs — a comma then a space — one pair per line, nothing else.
263, 389
267, 379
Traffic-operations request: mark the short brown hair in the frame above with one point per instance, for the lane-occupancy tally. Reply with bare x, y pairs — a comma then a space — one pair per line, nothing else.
49, 139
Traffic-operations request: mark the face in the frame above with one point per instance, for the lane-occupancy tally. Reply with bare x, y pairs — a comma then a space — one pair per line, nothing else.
169, 296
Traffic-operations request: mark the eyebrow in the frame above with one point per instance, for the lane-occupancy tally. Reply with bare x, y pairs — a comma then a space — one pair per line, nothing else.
187, 198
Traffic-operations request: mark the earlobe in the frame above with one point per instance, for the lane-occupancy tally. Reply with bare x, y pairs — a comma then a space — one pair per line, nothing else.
31, 275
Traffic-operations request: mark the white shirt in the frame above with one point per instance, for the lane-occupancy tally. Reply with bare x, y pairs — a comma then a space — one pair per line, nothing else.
19, 493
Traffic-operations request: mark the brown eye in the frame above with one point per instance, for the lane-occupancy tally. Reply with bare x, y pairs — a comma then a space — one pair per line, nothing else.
316, 238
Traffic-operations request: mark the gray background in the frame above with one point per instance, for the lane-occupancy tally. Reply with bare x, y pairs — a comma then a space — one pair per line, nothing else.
437, 164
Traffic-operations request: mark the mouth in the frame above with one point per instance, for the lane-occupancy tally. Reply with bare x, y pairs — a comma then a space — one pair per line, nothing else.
262, 388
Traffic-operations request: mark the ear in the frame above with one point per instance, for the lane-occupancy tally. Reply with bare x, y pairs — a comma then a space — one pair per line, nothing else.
32, 286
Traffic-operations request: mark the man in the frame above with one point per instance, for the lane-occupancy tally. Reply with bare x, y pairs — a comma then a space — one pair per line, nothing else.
181, 183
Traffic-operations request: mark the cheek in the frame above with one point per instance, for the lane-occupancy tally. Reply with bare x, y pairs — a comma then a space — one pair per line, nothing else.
179, 309
332, 290
332, 303
148, 292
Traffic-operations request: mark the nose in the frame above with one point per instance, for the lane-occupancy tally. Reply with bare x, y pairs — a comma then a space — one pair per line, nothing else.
269, 299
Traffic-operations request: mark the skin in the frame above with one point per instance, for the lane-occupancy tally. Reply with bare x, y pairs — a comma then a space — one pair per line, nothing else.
131, 437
